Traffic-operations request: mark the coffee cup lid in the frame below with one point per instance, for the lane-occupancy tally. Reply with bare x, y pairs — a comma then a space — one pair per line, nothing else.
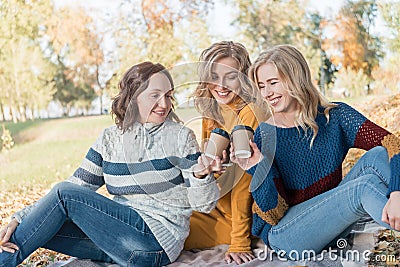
221, 132
243, 127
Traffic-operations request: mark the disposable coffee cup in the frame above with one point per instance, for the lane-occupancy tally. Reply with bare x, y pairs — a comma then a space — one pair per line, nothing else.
241, 134
217, 143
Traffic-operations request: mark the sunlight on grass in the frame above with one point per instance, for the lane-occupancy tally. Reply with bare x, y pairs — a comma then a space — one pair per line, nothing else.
49, 151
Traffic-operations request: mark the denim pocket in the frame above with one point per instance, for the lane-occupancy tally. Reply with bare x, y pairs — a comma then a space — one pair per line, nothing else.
148, 259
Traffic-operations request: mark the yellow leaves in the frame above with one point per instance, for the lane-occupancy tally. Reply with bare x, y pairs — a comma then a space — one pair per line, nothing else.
387, 250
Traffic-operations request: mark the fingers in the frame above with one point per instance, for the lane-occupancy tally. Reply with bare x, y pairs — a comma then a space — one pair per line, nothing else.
216, 165
239, 257
385, 217
253, 145
205, 143
232, 154
7, 236
8, 247
228, 258
224, 156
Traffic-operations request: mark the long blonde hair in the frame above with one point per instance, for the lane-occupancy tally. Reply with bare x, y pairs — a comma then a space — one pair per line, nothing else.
295, 75
203, 99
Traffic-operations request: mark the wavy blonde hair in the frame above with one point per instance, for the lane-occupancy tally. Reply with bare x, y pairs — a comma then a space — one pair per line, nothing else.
203, 99
295, 76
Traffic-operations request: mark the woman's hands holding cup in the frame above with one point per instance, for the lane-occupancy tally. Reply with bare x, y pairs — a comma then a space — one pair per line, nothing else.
247, 163
206, 165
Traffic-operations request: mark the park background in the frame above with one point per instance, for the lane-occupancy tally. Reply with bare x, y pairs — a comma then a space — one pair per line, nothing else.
60, 63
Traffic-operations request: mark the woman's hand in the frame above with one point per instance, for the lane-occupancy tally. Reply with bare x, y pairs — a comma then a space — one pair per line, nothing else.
391, 211
246, 164
5, 234
239, 257
206, 166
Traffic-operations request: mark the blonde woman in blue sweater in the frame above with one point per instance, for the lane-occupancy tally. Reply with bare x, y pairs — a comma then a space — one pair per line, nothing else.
301, 200
149, 162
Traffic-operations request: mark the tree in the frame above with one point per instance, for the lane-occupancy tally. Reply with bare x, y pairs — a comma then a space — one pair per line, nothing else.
359, 48
76, 51
160, 31
23, 77
266, 23
354, 81
391, 14
387, 78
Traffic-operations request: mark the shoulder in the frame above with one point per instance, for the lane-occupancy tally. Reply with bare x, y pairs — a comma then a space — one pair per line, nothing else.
248, 110
347, 116
341, 107
111, 132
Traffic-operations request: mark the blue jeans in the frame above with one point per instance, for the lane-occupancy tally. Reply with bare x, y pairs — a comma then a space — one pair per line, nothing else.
79, 222
313, 224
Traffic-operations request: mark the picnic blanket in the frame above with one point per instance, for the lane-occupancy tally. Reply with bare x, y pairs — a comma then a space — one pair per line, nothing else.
351, 251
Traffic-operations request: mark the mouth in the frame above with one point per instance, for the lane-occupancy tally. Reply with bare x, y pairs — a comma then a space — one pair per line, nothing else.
274, 101
160, 113
223, 94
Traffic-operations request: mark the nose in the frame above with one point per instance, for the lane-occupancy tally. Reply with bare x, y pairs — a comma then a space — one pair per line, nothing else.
265, 92
162, 101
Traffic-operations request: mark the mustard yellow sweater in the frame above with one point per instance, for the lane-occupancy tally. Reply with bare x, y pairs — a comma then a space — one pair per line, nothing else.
230, 222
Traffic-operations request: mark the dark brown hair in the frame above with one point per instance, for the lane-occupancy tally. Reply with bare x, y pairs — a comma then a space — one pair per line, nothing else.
133, 83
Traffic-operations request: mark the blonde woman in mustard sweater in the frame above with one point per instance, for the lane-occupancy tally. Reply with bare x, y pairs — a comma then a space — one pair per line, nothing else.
225, 98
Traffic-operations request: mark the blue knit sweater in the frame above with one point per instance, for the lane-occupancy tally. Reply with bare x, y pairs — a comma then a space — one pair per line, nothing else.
292, 172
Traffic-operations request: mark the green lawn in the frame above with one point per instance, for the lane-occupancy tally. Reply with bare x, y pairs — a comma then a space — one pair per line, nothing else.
47, 151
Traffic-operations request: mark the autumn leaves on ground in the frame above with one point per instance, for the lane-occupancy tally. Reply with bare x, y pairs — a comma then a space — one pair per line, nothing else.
49, 151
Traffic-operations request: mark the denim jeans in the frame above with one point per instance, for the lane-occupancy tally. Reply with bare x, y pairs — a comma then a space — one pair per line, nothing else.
79, 222
313, 224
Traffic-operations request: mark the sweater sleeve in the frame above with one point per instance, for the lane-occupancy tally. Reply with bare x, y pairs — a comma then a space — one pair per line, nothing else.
267, 189
203, 194
364, 134
241, 199
89, 174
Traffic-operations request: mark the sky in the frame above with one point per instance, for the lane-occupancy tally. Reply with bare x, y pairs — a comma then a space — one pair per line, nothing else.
222, 14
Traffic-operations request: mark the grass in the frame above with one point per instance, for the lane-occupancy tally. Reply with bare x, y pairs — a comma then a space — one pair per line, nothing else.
47, 151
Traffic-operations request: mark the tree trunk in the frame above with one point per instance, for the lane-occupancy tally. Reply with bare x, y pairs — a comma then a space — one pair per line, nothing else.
22, 112
13, 115
3, 116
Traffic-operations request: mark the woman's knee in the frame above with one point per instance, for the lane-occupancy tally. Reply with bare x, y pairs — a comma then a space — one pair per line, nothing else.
379, 153
65, 189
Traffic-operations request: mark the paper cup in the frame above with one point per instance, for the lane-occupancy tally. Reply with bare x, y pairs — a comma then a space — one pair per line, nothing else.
218, 142
241, 134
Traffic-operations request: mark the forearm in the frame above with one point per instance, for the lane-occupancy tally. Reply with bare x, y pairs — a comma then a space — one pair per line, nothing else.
241, 202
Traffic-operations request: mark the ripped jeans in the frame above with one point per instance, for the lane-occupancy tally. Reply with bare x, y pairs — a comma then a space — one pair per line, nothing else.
79, 222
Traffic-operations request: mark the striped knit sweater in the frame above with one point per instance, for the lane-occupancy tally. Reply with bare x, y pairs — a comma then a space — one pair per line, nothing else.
149, 169
297, 173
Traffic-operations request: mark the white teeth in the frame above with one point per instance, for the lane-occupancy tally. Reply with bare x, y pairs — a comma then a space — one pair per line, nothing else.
274, 101
223, 93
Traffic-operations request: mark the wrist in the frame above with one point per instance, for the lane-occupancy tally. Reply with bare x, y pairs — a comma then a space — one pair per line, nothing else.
395, 194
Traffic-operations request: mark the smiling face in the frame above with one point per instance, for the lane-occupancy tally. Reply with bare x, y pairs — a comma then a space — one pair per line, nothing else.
273, 90
155, 102
224, 85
